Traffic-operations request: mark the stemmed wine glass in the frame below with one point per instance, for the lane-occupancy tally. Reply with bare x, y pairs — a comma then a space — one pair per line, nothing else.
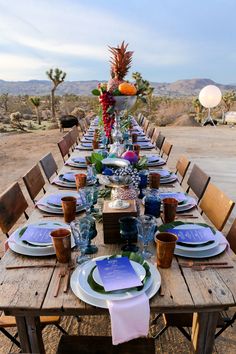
146, 225
80, 230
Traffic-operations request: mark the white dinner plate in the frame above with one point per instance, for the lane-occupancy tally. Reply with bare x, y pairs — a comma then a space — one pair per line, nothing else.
102, 303
170, 179
126, 294
138, 268
23, 248
197, 253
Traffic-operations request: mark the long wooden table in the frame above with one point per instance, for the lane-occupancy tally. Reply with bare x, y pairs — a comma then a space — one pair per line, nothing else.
28, 293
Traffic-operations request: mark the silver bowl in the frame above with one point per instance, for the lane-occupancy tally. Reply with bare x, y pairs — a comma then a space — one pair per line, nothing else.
123, 103
116, 181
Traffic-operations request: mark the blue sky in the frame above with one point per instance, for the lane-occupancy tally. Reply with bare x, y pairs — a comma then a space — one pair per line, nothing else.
171, 39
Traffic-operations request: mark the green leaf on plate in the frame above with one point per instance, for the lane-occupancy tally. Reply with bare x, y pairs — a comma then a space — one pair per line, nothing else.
22, 231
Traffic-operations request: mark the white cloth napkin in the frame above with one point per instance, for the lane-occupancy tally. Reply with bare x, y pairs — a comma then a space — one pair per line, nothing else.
129, 318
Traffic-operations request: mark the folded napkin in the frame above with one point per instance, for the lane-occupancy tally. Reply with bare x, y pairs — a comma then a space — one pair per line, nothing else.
129, 318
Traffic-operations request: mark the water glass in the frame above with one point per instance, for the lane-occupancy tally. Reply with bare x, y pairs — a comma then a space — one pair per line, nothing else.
80, 230
128, 232
146, 225
142, 183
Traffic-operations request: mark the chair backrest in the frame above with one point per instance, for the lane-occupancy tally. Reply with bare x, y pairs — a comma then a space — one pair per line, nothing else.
82, 126
64, 149
146, 125
159, 141
198, 181
216, 206
138, 119
141, 119
34, 181
182, 166
48, 165
69, 140
155, 135
12, 206
231, 236
166, 150
75, 135
150, 131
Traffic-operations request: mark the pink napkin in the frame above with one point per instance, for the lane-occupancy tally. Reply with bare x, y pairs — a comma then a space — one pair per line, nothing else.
129, 318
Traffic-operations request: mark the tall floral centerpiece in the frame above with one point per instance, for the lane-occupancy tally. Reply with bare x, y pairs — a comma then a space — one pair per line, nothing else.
118, 94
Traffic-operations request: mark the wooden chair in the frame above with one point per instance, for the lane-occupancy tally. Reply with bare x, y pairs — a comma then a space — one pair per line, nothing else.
198, 181
166, 150
64, 149
10, 321
75, 135
34, 182
146, 125
159, 141
155, 135
182, 167
12, 206
69, 140
49, 166
216, 206
150, 131
82, 126
180, 320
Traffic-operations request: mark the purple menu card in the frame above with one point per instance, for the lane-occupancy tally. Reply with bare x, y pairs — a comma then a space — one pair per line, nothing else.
117, 273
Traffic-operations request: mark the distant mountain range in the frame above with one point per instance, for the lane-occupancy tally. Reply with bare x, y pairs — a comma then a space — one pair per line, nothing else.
42, 87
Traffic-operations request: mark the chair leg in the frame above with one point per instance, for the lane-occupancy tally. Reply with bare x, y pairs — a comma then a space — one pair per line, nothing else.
9, 336
158, 334
61, 329
228, 322
154, 321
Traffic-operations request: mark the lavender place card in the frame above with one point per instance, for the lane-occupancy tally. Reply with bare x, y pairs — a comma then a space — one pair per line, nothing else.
117, 273
194, 236
37, 234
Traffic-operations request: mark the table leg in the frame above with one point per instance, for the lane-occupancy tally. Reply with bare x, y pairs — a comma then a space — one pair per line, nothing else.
23, 334
35, 335
203, 332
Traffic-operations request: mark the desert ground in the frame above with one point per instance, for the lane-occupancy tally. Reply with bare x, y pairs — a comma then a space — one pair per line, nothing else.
213, 149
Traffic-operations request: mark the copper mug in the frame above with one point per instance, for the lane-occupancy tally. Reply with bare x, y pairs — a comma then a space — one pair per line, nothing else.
69, 208
165, 246
61, 239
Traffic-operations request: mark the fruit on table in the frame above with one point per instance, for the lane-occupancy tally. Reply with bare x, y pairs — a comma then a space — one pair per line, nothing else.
127, 89
131, 156
120, 65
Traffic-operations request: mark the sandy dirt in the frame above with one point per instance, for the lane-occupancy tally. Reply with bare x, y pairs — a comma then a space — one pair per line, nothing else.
212, 148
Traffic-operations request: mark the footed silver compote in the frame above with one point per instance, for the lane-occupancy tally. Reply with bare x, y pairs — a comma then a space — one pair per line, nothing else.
117, 182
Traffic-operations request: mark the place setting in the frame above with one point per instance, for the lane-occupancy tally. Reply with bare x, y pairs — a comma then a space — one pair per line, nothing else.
53, 203
77, 161
155, 160
35, 239
68, 179
166, 176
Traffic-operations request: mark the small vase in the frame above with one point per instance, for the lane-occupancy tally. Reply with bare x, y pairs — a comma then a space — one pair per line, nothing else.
124, 193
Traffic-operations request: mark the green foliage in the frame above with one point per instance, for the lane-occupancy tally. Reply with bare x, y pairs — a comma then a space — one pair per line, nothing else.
57, 76
142, 163
228, 98
35, 101
96, 159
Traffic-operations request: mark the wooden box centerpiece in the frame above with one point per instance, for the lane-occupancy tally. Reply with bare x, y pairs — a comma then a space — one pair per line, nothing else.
111, 226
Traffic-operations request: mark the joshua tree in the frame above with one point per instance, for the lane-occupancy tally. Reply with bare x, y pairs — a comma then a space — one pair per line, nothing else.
198, 108
4, 101
228, 98
36, 102
57, 77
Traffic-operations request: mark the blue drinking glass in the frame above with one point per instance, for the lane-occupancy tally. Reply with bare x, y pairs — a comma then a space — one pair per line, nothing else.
142, 183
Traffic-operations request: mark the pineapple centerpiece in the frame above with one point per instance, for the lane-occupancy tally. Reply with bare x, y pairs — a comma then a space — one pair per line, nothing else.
118, 94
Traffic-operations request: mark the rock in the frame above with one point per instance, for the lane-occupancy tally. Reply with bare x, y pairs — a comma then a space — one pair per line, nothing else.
78, 112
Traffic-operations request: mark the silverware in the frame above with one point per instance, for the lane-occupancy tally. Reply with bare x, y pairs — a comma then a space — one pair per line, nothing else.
204, 267
45, 265
60, 276
192, 264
